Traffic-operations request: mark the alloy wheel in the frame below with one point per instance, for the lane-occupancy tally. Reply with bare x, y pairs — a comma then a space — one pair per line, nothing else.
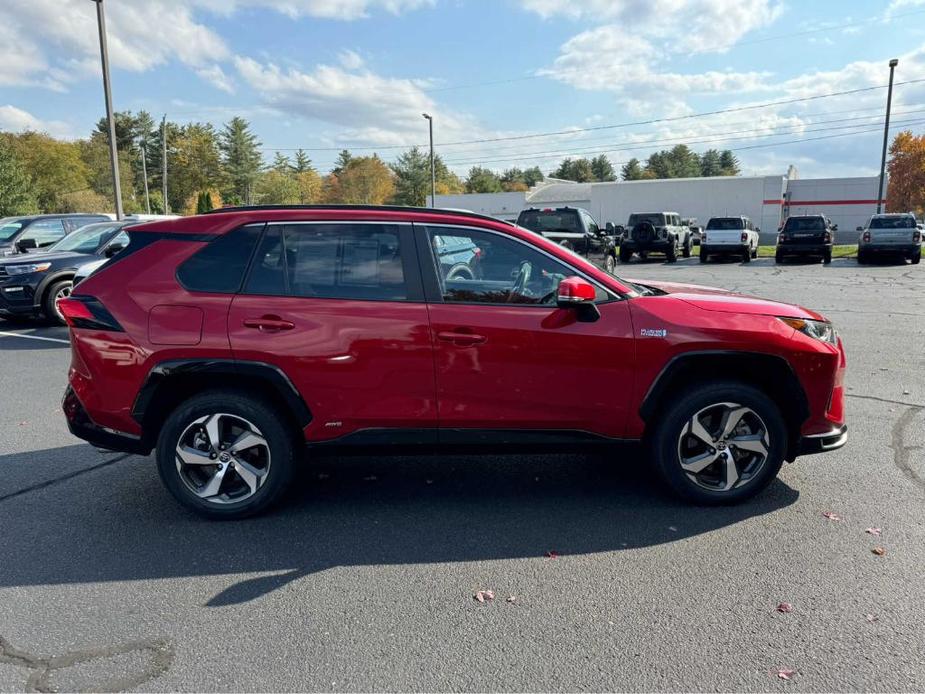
63, 293
723, 446
222, 458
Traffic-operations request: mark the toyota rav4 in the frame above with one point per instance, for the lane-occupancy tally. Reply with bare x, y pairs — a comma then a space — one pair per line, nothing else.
231, 343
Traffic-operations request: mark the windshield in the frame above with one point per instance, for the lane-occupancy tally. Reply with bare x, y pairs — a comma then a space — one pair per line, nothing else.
9, 229
725, 223
656, 220
902, 222
550, 220
805, 224
86, 239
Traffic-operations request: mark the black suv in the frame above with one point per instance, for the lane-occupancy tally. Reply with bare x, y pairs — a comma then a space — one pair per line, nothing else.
575, 229
23, 234
810, 236
32, 285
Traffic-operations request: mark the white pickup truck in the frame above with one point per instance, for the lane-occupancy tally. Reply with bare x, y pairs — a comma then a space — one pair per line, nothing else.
729, 236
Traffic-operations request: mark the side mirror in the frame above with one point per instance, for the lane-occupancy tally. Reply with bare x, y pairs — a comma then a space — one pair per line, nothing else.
834, 227
758, 229
112, 249
25, 245
578, 294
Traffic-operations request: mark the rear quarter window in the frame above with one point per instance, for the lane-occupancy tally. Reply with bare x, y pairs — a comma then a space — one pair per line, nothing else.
219, 267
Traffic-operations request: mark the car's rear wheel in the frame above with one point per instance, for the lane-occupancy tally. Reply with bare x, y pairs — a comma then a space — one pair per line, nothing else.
747, 256
827, 258
671, 254
224, 454
57, 291
686, 252
719, 443
610, 263
862, 258
778, 257
916, 258
460, 272
703, 256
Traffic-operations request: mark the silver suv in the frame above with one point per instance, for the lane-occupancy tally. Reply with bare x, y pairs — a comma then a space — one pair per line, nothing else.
890, 234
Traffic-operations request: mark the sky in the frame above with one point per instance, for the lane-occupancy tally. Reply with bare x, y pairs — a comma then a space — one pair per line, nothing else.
509, 82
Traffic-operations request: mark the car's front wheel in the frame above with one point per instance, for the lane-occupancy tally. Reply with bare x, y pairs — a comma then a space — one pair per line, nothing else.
719, 443
916, 258
225, 454
56, 292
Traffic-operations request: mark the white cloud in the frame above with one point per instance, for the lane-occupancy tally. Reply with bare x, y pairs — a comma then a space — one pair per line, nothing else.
13, 119
324, 9
351, 60
215, 75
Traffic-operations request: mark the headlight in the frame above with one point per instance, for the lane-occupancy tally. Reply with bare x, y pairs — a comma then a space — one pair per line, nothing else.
817, 329
26, 269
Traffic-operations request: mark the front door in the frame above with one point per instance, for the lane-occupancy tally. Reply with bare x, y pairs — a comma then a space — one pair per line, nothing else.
339, 308
506, 357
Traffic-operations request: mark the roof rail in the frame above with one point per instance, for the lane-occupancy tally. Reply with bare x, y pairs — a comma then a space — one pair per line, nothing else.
374, 208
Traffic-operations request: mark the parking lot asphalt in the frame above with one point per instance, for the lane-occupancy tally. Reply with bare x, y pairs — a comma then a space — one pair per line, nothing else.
365, 579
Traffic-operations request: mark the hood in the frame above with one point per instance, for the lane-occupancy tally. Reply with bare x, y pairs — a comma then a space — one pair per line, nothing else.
715, 299
23, 258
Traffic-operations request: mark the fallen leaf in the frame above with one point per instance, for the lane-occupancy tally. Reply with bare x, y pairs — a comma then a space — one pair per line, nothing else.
552, 554
872, 618
873, 531
785, 674
831, 515
484, 595
879, 551
785, 607
512, 598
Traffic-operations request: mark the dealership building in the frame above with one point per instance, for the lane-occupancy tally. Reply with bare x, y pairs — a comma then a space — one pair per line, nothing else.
766, 200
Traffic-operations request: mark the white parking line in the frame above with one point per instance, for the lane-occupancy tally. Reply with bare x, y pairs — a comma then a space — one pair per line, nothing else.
35, 337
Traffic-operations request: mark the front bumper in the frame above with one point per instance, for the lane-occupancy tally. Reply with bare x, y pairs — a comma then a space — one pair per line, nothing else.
17, 298
823, 443
81, 426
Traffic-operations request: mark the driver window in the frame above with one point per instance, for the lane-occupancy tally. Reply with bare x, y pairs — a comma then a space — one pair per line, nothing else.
476, 267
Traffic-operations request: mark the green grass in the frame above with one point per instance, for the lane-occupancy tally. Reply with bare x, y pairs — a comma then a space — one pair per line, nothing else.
843, 251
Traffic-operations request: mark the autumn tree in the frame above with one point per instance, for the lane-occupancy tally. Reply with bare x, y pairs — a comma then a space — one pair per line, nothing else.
194, 163
365, 181
53, 167
906, 189
15, 189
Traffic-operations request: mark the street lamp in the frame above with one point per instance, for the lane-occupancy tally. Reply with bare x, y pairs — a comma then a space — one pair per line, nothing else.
113, 153
433, 171
886, 134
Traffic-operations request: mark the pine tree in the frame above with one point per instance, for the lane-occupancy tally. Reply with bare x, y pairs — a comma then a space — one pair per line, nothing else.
281, 164
412, 178
729, 163
632, 170
302, 163
603, 169
342, 162
240, 158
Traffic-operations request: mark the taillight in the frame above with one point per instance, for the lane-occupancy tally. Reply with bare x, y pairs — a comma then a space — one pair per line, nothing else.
87, 312
916, 236
744, 237
703, 237
866, 237
828, 236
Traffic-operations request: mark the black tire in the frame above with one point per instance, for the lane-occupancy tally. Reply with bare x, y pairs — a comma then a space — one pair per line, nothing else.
282, 442
747, 256
664, 440
671, 255
625, 255
610, 263
703, 256
686, 251
51, 295
754, 252
862, 258
460, 272
916, 258
778, 258
827, 258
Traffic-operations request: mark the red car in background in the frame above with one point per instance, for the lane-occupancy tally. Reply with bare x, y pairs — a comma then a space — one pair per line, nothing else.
227, 342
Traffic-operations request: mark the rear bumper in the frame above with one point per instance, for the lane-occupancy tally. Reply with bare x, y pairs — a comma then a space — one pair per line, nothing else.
895, 248
804, 249
657, 246
719, 249
81, 426
822, 443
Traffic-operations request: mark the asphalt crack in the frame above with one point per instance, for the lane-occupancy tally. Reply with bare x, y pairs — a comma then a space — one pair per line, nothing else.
886, 400
63, 478
160, 656
902, 454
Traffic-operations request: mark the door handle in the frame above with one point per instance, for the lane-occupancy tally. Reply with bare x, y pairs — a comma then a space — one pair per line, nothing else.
268, 324
462, 339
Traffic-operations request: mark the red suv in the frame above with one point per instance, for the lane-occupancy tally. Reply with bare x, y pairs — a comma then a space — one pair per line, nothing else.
229, 342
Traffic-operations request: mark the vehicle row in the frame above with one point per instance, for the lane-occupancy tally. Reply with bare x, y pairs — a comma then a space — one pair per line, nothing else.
668, 234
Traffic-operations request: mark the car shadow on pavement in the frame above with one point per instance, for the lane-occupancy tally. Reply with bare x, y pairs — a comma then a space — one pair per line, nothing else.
116, 523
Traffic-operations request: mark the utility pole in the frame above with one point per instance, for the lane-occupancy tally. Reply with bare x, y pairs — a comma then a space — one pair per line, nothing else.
433, 171
107, 92
164, 162
144, 170
886, 134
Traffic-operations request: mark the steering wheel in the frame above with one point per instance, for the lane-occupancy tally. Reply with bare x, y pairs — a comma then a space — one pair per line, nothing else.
520, 284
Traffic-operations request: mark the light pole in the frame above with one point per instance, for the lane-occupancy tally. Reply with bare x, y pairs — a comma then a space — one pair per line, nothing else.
433, 170
113, 152
886, 134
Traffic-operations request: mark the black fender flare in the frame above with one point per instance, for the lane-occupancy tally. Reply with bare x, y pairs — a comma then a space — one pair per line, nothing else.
38, 298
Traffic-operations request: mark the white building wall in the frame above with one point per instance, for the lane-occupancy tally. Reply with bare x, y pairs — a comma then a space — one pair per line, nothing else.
848, 202
501, 205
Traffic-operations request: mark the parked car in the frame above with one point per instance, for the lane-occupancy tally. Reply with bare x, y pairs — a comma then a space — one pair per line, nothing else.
575, 229
230, 341
656, 232
31, 286
807, 236
696, 235
28, 233
890, 234
729, 236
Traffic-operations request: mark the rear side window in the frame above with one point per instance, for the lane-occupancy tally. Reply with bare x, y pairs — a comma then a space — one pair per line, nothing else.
330, 261
219, 267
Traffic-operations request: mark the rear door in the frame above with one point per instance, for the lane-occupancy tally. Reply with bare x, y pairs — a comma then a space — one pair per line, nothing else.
507, 358
338, 306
